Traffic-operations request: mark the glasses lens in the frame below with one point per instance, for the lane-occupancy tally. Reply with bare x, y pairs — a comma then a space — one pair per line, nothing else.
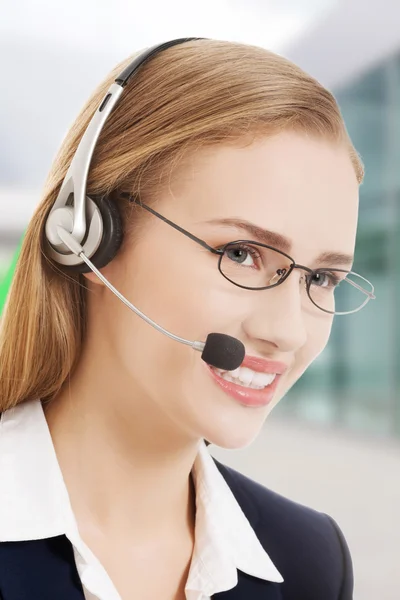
338, 291
253, 266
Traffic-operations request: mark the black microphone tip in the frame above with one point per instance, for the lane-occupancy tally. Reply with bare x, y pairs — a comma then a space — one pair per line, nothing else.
223, 351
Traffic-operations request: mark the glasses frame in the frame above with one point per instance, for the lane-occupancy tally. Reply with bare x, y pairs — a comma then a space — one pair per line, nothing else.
293, 265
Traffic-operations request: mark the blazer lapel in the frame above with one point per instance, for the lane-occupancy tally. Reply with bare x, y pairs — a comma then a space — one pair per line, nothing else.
39, 570
249, 587
46, 570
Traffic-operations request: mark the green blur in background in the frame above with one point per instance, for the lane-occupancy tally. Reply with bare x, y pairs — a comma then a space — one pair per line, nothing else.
6, 279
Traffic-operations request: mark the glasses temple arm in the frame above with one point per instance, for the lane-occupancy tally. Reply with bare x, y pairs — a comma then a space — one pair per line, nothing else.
175, 226
371, 295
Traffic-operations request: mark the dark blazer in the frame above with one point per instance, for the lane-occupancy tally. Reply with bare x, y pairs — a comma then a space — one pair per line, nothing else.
306, 546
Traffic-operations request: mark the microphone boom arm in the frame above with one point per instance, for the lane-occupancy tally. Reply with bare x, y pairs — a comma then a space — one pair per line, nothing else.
77, 249
219, 350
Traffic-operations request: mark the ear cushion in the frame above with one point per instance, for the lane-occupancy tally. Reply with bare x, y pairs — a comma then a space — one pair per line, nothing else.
112, 235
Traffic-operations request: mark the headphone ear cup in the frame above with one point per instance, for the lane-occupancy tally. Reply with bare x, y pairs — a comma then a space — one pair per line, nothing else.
112, 236
112, 232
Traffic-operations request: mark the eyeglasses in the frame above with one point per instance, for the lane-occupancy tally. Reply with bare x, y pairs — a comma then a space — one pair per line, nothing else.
254, 266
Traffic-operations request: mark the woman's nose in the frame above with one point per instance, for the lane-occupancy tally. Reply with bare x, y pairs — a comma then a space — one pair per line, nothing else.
278, 316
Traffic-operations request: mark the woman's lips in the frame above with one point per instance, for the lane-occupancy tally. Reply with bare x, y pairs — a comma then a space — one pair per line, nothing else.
264, 365
248, 396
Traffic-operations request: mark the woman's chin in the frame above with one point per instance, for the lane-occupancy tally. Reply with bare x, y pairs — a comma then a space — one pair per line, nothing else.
234, 438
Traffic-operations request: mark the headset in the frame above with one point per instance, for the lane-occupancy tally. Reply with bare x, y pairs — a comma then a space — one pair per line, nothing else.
84, 234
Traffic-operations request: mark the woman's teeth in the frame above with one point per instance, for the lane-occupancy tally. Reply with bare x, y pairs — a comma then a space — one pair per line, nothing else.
247, 378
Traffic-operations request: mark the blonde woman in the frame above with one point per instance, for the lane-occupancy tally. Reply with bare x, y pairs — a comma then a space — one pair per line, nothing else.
183, 269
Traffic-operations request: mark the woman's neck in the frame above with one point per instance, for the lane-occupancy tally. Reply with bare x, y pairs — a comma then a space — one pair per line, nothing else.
127, 471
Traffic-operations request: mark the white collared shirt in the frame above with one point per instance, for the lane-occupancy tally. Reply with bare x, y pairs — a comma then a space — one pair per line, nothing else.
34, 504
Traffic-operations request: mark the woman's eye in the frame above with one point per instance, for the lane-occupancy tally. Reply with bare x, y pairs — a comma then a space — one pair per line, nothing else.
242, 255
325, 279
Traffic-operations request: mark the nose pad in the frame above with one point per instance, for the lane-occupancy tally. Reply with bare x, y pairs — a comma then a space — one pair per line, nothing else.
282, 273
303, 278
278, 276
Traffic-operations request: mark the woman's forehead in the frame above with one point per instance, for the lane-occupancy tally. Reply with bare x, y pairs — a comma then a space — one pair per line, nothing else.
296, 186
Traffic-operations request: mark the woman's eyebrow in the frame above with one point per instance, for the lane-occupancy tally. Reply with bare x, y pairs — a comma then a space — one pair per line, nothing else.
281, 242
335, 258
257, 233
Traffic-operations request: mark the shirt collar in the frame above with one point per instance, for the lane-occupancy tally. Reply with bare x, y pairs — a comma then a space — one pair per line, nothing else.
34, 504
223, 533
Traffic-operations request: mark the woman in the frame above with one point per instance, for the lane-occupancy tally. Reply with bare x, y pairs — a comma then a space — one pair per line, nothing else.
222, 161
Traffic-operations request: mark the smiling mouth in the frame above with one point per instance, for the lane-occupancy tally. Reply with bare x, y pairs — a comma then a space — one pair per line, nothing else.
248, 387
247, 378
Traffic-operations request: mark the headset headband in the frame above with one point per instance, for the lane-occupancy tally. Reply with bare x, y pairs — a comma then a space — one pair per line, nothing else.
72, 208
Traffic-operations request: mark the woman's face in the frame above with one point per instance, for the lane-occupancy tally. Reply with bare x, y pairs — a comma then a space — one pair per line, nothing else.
292, 185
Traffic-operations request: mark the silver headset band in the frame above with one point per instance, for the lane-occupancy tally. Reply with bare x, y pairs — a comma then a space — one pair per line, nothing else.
75, 180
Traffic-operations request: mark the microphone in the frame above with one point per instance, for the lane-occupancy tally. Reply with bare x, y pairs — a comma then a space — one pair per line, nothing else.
219, 350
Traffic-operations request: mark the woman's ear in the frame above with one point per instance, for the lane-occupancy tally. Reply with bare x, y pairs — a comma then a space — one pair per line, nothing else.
92, 277
110, 272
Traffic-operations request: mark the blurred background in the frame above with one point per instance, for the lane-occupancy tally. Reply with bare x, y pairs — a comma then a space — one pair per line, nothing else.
334, 442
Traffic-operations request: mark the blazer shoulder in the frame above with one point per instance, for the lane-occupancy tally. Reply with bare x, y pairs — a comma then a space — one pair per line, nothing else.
306, 546
264, 503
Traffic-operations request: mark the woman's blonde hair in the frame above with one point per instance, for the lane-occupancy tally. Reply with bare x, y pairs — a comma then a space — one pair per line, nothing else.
202, 92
